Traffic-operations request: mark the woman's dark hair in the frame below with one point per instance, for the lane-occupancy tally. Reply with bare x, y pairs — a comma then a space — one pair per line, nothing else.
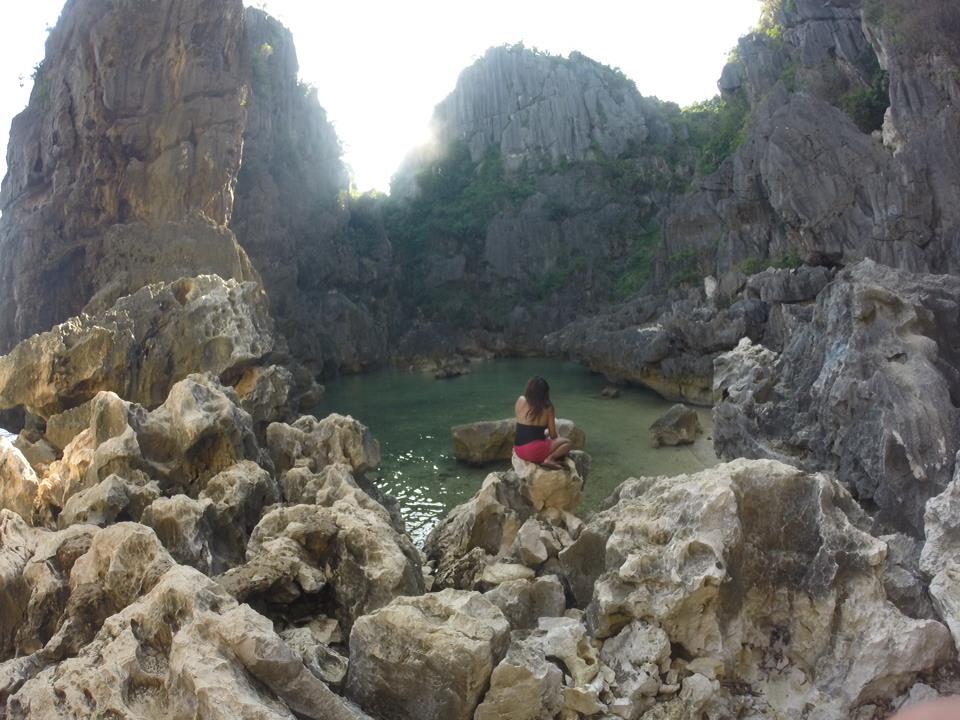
537, 395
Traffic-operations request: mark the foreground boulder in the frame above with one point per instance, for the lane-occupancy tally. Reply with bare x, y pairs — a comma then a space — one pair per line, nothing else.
864, 391
337, 557
185, 649
751, 561
484, 442
142, 346
314, 444
545, 673
426, 658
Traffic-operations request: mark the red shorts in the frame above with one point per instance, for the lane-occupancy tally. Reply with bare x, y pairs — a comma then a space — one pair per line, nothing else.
535, 452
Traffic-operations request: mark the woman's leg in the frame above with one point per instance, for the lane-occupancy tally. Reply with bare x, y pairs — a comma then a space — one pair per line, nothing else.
558, 451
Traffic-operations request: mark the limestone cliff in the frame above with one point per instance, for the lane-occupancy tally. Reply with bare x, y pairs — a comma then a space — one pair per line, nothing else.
122, 168
824, 175
321, 260
537, 201
536, 107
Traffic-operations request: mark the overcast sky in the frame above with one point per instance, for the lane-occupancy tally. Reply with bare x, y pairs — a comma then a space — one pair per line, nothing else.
380, 66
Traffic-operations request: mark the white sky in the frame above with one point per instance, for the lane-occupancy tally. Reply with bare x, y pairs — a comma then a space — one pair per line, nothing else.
380, 66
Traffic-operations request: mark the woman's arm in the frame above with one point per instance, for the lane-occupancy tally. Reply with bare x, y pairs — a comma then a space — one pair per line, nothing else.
552, 423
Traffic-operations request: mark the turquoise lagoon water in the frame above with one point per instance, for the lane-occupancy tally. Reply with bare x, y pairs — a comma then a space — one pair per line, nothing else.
411, 414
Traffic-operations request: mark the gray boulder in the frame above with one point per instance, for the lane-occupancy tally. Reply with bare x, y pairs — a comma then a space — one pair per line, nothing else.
447, 642
680, 425
484, 442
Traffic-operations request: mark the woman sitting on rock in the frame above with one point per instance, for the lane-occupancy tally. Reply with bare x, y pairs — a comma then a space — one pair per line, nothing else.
537, 439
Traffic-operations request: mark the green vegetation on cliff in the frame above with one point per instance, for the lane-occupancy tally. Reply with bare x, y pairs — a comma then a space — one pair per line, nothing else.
457, 199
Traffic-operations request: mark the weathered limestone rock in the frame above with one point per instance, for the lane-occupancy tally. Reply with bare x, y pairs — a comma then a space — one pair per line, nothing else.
529, 682
198, 432
141, 347
181, 524
638, 655
340, 557
940, 556
267, 394
184, 649
322, 660
863, 391
37, 451
667, 345
314, 444
114, 499
525, 104
808, 582
509, 530
448, 642
525, 685
680, 425
801, 284
484, 442
488, 523
18, 482
237, 497
130, 184
903, 581
524, 602
556, 489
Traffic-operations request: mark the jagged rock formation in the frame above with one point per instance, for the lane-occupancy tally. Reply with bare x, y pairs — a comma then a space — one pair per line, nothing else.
122, 168
325, 264
759, 572
134, 497
865, 390
534, 107
512, 529
141, 346
666, 344
811, 180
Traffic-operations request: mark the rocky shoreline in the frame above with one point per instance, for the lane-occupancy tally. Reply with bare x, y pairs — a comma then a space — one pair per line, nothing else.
177, 539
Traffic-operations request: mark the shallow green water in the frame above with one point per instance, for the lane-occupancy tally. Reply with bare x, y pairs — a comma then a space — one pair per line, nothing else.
411, 415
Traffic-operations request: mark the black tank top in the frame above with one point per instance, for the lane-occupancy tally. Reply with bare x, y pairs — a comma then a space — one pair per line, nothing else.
529, 433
